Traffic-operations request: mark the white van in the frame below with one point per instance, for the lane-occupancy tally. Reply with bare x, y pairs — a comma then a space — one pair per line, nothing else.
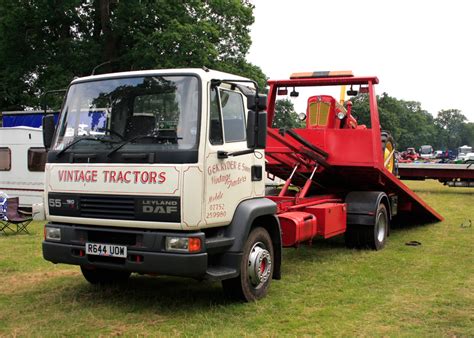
426, 151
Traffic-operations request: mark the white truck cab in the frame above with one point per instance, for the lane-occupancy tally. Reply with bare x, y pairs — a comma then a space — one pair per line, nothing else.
159, 171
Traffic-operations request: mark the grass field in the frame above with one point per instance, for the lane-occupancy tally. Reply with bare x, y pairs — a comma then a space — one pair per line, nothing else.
326, 289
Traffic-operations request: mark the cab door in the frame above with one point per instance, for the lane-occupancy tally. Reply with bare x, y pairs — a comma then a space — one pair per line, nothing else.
229, 180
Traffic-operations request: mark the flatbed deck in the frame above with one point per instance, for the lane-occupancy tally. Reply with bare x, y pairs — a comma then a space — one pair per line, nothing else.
451, 174
348, 170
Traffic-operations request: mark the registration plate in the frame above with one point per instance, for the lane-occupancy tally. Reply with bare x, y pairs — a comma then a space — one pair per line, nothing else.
108, 250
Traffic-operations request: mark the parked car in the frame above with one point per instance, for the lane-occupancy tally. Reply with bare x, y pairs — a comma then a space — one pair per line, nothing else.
446, 155
464, 150
426, 151
467, 158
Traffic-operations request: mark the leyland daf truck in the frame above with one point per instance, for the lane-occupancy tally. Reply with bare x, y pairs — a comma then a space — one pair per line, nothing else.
163, 172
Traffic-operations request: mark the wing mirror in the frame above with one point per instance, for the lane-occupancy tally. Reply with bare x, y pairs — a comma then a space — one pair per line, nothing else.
48, 130
257, 103
257, 122
294, 93
256, 129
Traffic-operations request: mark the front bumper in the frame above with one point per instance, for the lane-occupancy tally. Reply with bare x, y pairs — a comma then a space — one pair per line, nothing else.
145, 251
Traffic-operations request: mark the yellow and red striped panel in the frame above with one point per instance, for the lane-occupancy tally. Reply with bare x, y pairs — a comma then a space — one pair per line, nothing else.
309, 75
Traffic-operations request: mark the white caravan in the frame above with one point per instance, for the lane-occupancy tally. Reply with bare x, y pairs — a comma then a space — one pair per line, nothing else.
22, 160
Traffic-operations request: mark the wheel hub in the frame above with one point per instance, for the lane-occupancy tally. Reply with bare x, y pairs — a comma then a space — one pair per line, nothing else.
381, 226
259, 264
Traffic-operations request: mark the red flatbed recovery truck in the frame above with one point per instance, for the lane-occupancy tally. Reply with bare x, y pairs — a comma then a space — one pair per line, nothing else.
157, 172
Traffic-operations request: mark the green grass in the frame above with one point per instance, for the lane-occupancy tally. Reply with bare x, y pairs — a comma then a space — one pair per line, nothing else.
326, 289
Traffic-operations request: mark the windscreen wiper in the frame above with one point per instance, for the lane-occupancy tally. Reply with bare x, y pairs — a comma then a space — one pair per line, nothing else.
156, 136
82, 139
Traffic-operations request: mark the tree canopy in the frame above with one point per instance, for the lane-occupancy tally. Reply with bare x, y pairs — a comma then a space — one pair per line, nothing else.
286, 116
412, 126
44, 44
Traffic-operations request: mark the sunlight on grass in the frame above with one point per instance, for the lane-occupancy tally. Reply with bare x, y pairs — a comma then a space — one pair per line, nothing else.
326, 289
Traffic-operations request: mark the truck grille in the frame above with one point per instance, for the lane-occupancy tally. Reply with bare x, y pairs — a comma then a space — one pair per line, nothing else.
109, 207
136, 208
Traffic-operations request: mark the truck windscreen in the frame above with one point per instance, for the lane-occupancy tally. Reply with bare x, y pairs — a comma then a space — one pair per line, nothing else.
152, 113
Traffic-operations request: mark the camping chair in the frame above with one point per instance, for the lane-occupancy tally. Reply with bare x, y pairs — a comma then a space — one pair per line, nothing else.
3, 213
5, 225
17, 217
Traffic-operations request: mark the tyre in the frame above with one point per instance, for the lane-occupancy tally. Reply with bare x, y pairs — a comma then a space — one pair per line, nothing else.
376, 236
104, 276
388, 150
351, 236
256, 268
369, 236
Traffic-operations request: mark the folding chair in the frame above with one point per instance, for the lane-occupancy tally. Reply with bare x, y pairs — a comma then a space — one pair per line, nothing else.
4, 224
3, 214
17, 217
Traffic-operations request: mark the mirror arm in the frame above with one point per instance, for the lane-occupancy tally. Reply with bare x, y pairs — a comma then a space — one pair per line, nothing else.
49, 92
221, 154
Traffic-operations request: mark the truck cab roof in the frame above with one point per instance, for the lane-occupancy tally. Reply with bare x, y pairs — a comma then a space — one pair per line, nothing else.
204, 74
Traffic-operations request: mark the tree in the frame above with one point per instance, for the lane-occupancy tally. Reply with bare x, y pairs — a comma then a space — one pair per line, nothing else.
286, 116
450, 123
467, 134
45, 43
409, 124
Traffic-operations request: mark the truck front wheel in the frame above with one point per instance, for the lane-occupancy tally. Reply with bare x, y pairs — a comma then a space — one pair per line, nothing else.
256, 268
104, 276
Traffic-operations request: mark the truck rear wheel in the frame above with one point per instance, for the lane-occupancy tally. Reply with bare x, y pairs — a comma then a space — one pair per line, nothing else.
104, 276
377, 235
256, 268
369, 236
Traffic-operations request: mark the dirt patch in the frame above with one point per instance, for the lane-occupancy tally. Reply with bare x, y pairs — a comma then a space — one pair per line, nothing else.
17, 282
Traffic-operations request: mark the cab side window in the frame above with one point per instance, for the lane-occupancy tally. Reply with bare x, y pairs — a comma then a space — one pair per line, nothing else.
215, 126
227, 114
234, 116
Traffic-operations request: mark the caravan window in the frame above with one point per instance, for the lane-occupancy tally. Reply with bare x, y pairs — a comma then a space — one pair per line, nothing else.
36, 159
5, 159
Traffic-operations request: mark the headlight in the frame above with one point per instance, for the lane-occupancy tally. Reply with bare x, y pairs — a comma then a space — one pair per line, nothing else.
52, 234
341, 115
183, 244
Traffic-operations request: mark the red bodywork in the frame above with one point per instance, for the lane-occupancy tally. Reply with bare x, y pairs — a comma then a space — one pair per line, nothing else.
327, 160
